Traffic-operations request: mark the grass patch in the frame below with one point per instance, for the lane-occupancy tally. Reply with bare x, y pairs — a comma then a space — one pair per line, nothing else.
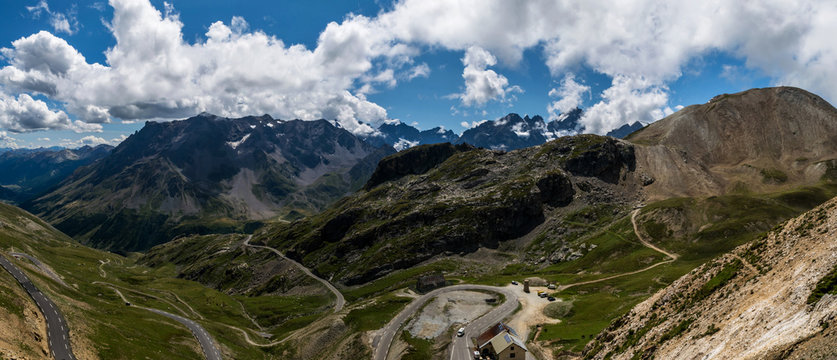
677, 330
376, 315
773, 176
420, 349
559, 309
719, 280
826, 285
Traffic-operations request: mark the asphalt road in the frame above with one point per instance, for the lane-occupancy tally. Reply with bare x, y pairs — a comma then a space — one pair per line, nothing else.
461, 345
207, 345
209, 349
58, 333
338, 304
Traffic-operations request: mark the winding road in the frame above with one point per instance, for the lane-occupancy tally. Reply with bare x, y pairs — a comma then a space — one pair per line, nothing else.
461, 345
58, 333
338, 304
207, 345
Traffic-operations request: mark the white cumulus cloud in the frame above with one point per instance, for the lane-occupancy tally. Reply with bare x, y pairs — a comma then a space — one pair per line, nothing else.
23, 114
152, 72
570, 96
483, 84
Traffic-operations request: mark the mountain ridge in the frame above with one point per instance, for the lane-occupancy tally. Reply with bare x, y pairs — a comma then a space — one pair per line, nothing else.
207, 167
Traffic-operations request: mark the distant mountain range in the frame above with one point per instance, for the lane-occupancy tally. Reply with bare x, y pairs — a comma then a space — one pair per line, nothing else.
204, 173
25, 173
510, 132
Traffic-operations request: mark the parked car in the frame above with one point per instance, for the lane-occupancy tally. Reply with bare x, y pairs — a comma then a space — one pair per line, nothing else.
477, 355
460, 332
551, 298
514, 282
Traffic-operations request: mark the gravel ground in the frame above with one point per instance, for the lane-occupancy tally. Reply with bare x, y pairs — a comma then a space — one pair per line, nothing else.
457, 307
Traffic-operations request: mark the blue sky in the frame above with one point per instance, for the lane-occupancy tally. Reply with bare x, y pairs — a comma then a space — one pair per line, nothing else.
428, 63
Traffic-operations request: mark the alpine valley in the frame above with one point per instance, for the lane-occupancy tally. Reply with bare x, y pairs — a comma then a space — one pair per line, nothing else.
707, 234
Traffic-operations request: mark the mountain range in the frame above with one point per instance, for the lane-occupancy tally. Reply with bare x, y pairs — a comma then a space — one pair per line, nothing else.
510, 132
206, 174
30, 172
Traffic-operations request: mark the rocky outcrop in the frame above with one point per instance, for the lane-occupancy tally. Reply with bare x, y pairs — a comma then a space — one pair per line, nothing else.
414, 161
600, 157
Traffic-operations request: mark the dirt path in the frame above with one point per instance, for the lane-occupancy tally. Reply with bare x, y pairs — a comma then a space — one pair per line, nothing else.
144, 294
102, 271
182, 302
207, 344
645, 242
672, 257
338, 304
564, 287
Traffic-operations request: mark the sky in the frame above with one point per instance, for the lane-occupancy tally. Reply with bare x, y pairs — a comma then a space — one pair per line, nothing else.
78, 73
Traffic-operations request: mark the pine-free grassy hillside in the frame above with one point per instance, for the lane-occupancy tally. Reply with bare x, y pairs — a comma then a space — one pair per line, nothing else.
102, 327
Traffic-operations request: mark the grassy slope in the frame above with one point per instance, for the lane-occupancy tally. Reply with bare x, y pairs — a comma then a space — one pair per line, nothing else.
98, 317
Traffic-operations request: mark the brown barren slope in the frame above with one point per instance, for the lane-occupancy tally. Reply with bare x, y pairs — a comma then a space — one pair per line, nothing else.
757, 140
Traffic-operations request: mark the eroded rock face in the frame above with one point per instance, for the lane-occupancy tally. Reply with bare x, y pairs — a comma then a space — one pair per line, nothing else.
556, 189
604, 160
415, 161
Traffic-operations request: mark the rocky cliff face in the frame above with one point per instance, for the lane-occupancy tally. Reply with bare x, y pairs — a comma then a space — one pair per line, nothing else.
772, 298
183, 174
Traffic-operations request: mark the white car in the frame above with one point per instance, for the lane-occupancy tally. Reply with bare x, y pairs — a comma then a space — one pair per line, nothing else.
460, 332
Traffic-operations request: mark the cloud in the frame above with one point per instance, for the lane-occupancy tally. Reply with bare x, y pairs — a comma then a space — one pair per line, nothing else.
642, 42
25, 114
473, 124
420, 70
152, 73
641, 45
7, 141
60, 22
627, 100
570, 96
91, 140
481, 84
